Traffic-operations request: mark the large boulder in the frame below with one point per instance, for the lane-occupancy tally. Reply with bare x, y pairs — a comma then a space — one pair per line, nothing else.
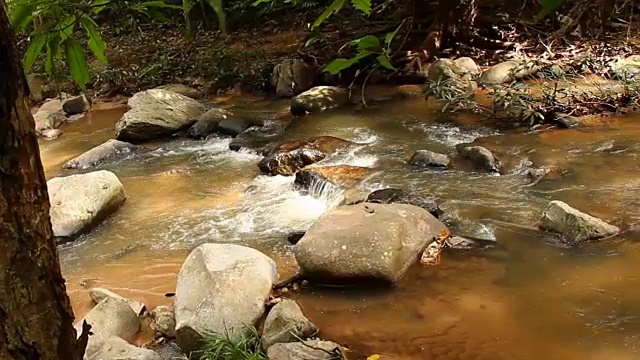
207, 123
507, 71
574, 225
627, 68
99, 294
237, 125
288, 157
291, 77
318, 99
221, 288
459, 74
111, 317
429, 159
307, 350
376, 242
76, 105
286, 323
115, 348
157, 113
78, 202
338, 175
399, 196
105, 151
480, 157
258, 138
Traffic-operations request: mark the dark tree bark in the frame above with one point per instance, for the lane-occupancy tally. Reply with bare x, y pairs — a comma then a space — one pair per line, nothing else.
36, 321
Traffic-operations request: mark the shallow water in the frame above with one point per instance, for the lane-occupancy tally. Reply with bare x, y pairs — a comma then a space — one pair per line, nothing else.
527, 298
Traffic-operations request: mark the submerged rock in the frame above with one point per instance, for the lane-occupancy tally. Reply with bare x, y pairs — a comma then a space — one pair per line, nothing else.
337, 175
163, 321
99, 294
293, 76
288, 157
429, 159
309, 350
107, 150
286, 323
399, 196
115, 348
507, 71
573, 225
365, 242
111, 317
79, 202
463, 243
157, 113
318, 99
545, 172
76, 105
480, 156
221, 288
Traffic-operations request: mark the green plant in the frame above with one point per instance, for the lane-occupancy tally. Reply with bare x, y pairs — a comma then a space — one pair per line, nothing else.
227, 347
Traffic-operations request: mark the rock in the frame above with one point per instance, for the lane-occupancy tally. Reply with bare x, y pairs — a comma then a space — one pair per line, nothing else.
157, 113
286, 323
291, 77
288, 157
575, 226
221, 288
257, 138
565, 121
337, 175
399, 196
111, 317
318, 99
463, 243
99, 294
46, 120
50, 134
354, 196
310, 350
182, 90
76, 105
627, 68
445, 69
80, 201
480, 156
163, 322
467, 67
168, 350
37, 87
377, 242
207, 123
107, 150
545, 172
295, 236
429, 159
53, 105
236, 125
507, 71
74, 118
115, 348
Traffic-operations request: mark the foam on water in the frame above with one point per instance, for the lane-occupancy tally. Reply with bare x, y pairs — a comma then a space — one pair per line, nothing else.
449, 134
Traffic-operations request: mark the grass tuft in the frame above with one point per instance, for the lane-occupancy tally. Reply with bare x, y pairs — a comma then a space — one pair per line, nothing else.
225, 346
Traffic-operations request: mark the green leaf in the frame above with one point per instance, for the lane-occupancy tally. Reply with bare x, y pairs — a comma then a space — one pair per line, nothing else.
389, 37
258, 2
335, 6
337, 65
362, 5
383, 60
161, 4
367, 42
53, 51
34, 49
222, 17
547, 7
65, 27
21, 15
77, 62
95, 43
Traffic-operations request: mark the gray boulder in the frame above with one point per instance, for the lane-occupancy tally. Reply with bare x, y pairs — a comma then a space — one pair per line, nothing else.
111, 317
163, 322
467, 67
367, 241
291, 77
507, 71
480, 157
182, 90
49, 116
573, 225
400, 196
207, 123
76, 105
99, 294
318, 99
627, 68
115, 348
221, 288
458, 76
429, 159
309, 350
78, 202
105, 151
237, 125
157, 113
286, 323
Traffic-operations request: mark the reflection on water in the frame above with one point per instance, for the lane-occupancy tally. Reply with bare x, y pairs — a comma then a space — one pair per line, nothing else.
527, 298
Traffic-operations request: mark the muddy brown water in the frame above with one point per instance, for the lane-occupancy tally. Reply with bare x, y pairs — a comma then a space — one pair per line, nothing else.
527, 298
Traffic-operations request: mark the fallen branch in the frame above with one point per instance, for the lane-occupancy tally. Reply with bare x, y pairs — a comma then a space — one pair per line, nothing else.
431, 255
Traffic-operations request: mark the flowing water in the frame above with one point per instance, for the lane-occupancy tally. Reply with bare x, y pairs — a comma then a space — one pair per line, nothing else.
526, 298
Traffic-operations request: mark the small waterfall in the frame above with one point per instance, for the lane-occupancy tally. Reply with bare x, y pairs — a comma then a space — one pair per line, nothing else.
326, 191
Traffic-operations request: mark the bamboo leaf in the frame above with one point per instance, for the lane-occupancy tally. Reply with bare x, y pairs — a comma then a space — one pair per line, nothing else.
335, 6
383, 60
337, 65
21, 15
367, 42
96, 43
53, 51
77, 62
161, 4
222, 17
362, 5
34, 49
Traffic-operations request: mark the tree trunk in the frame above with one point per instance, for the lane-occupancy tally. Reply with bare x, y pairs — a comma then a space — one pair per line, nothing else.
36, 321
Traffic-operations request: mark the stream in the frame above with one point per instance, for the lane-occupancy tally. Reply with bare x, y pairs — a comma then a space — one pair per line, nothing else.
527, 297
